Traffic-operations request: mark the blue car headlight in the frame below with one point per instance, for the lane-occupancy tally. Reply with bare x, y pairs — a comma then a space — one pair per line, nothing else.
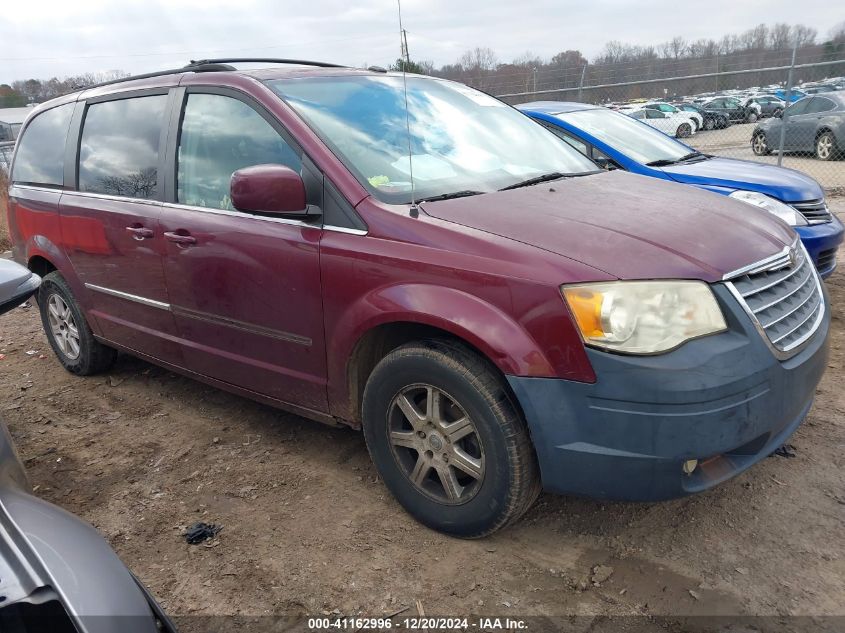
775, 207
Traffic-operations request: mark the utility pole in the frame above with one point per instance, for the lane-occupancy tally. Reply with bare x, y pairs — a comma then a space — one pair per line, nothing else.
581, 85
535, 78
405, 54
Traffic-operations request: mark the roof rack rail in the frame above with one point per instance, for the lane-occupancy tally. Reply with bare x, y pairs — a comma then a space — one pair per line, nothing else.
200, 67
264, 60
213, 65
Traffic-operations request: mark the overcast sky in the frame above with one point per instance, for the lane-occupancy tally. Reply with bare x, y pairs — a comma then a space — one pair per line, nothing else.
42, 39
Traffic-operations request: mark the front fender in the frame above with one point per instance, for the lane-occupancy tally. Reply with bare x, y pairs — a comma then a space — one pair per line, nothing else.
504, 341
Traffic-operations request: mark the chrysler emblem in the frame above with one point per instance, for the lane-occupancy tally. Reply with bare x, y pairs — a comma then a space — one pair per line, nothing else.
793, 257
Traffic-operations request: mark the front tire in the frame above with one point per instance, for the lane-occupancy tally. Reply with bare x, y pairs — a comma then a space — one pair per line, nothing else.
759, 145
709, 124
751, 117
447, 439
826, 146
67, 330
684, 130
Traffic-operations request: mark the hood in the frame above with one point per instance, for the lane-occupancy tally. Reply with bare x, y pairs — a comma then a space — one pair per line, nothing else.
784, 184
629, 226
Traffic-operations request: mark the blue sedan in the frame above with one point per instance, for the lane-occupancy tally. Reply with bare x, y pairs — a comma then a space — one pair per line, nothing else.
616, 141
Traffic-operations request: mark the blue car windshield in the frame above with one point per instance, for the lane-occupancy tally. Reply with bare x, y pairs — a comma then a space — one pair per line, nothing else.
636, 140
461, 140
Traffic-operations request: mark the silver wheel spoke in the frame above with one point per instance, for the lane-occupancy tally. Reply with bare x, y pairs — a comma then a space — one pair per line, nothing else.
416, 418
450, 482
458, 430
420, 471
62, 326
465, 462
433, 406
406, 439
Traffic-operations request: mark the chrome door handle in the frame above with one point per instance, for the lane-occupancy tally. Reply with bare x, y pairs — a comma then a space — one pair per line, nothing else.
139, 232
179, 238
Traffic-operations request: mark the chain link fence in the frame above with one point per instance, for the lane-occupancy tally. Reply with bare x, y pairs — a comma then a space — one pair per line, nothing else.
785, 113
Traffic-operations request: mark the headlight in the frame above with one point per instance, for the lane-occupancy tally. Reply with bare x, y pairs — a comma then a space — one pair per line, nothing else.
643, 317
775, 207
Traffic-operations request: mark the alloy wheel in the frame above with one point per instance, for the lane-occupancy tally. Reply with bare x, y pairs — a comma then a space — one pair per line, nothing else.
63, 327
436, 444
824, 147
759, 145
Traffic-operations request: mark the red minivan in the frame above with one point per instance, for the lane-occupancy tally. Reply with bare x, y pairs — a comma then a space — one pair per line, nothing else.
412, 257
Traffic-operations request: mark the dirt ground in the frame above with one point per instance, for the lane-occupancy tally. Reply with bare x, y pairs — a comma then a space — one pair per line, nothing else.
308, 528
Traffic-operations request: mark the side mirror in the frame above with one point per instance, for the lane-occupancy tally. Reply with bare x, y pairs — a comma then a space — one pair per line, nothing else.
270, 189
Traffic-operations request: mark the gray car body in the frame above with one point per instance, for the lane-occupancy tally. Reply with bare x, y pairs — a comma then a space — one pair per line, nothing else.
47, 553
802, 130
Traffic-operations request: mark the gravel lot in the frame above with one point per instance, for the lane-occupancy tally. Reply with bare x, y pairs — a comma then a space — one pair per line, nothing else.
309, 528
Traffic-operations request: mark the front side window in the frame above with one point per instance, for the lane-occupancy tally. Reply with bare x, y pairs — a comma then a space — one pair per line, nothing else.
221, 135
454, 138
797, 108
41, 150
119, 150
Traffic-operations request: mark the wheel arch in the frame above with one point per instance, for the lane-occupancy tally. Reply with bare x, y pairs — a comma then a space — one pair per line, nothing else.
377, 324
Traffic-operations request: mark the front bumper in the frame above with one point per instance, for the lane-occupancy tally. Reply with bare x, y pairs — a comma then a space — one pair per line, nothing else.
822, 241
723, 399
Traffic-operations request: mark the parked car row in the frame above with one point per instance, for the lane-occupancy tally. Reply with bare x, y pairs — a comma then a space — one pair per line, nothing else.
471, 301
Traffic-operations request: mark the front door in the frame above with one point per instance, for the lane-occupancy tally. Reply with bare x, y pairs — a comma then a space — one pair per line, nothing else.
110, 225
244, 288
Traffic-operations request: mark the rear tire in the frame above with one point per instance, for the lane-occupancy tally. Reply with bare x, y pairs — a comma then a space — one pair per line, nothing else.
825, 147
684, 130
447, 440
759, 145
67, 330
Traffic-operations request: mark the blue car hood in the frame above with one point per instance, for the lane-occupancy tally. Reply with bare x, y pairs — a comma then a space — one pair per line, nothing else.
781, 183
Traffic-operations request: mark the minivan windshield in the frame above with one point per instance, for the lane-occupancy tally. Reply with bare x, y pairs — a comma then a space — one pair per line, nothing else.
635, 140
461, 141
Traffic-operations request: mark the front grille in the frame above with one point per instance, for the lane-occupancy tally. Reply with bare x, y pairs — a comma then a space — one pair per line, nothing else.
784, 297
814, 211
826, 259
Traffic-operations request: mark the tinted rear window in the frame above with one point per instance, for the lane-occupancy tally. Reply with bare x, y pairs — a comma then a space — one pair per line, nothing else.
118, 153
41, 149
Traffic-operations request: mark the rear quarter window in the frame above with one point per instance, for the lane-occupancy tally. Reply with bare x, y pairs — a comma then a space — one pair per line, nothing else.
41, 150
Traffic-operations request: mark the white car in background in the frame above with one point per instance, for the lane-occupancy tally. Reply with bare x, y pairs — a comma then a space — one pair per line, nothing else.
669, 123
668, 108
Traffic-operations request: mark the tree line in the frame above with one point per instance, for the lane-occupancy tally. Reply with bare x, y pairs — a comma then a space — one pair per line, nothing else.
759, 47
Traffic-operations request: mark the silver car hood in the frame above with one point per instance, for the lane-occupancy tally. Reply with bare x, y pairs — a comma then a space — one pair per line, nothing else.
47, 553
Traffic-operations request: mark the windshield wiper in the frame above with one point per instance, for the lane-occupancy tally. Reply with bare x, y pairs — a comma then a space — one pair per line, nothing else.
663, 162
555, 175
451, 196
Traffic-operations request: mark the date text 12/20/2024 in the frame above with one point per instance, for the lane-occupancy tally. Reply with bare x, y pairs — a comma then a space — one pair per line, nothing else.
417, 623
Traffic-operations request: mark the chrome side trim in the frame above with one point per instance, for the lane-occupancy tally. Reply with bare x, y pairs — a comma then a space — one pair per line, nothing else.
129, 297
765, 264
14, 186
343, 229
208, 318
113, 198
239, 214
243, 326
